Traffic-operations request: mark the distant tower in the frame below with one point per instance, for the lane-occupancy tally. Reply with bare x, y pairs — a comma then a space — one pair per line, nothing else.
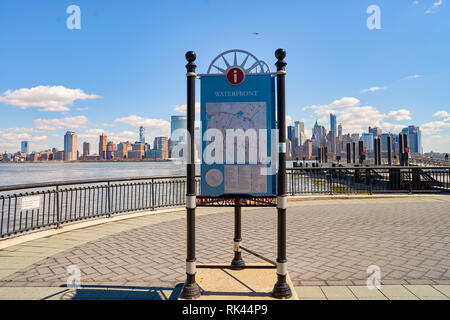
333, 124
142, 135
24, 147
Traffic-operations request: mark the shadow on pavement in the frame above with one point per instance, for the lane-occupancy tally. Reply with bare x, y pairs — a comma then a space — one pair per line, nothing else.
117, 293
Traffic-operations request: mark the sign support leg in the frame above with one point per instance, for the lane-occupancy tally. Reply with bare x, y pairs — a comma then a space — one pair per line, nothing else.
237, 262
281, 289
191, 289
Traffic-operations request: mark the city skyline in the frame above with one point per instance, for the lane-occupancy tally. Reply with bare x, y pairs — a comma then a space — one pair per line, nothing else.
300, 144
59, 80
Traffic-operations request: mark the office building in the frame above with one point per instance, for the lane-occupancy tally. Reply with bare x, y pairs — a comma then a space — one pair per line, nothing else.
70, 146
122, 150
299, 132
376, 132
24, 147
176, 123
102, 147
414, 139
333, 124
367, 139
86, 149
142, 135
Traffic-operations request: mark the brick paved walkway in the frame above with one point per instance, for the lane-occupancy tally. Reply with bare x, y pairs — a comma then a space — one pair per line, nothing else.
329, 243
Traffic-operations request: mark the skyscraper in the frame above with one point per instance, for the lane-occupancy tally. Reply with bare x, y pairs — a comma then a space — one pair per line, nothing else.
367, 139
24, 147
414, 139
102, 147
142, 135
375, 131
177, 122
70, 146
299, 132
333, 124
86, 149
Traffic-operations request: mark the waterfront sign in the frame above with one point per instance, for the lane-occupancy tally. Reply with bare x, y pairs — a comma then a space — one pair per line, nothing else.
238, 116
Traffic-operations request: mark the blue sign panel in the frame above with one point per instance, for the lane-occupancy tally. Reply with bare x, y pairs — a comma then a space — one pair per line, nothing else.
238, 120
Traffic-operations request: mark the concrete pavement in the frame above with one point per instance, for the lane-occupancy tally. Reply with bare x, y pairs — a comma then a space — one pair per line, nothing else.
331, 243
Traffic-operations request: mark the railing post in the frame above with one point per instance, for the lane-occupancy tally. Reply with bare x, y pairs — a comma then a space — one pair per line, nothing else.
410, 181
331, 182
292, 182
58, 215
109, 199
152, 190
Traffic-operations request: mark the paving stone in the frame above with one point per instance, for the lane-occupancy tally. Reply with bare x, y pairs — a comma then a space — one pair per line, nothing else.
338, 293
329, 242
425, 291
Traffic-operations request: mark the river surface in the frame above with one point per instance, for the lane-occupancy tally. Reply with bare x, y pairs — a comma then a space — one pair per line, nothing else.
26, 173
38, 172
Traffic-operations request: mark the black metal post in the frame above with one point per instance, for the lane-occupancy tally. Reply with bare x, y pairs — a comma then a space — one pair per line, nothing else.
281, 289
191, 289
389, 150
401, 149
354, 152
375, 150
361, 150
237, 262
379, 151
405, 148
349, 153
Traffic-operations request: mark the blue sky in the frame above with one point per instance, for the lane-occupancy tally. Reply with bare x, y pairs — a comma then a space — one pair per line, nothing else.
125, 66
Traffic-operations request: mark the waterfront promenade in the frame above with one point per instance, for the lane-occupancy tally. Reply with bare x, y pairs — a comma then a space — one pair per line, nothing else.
331, 243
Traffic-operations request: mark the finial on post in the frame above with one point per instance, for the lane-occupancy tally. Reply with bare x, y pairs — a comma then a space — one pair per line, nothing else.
280, 54
190, 58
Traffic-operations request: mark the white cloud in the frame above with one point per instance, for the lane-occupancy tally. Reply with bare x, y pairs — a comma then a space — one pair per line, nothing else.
71, 123
357, 119
392, 127
183, 108
341, 103
55, 98
147, 123
39, 138
435, 5
441, 114
433, 127
415, 76
400, 115
436, 143
373, 89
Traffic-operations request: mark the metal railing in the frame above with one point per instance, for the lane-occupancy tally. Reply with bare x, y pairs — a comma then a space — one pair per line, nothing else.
369, 180
65, 202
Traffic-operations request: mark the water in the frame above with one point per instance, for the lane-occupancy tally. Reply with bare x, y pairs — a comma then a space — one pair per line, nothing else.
38, 172
26, 173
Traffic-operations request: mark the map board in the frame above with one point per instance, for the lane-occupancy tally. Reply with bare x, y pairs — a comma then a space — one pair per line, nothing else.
247, 106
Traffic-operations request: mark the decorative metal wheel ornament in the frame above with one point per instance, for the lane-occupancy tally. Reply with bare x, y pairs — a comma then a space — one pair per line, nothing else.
237, 58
